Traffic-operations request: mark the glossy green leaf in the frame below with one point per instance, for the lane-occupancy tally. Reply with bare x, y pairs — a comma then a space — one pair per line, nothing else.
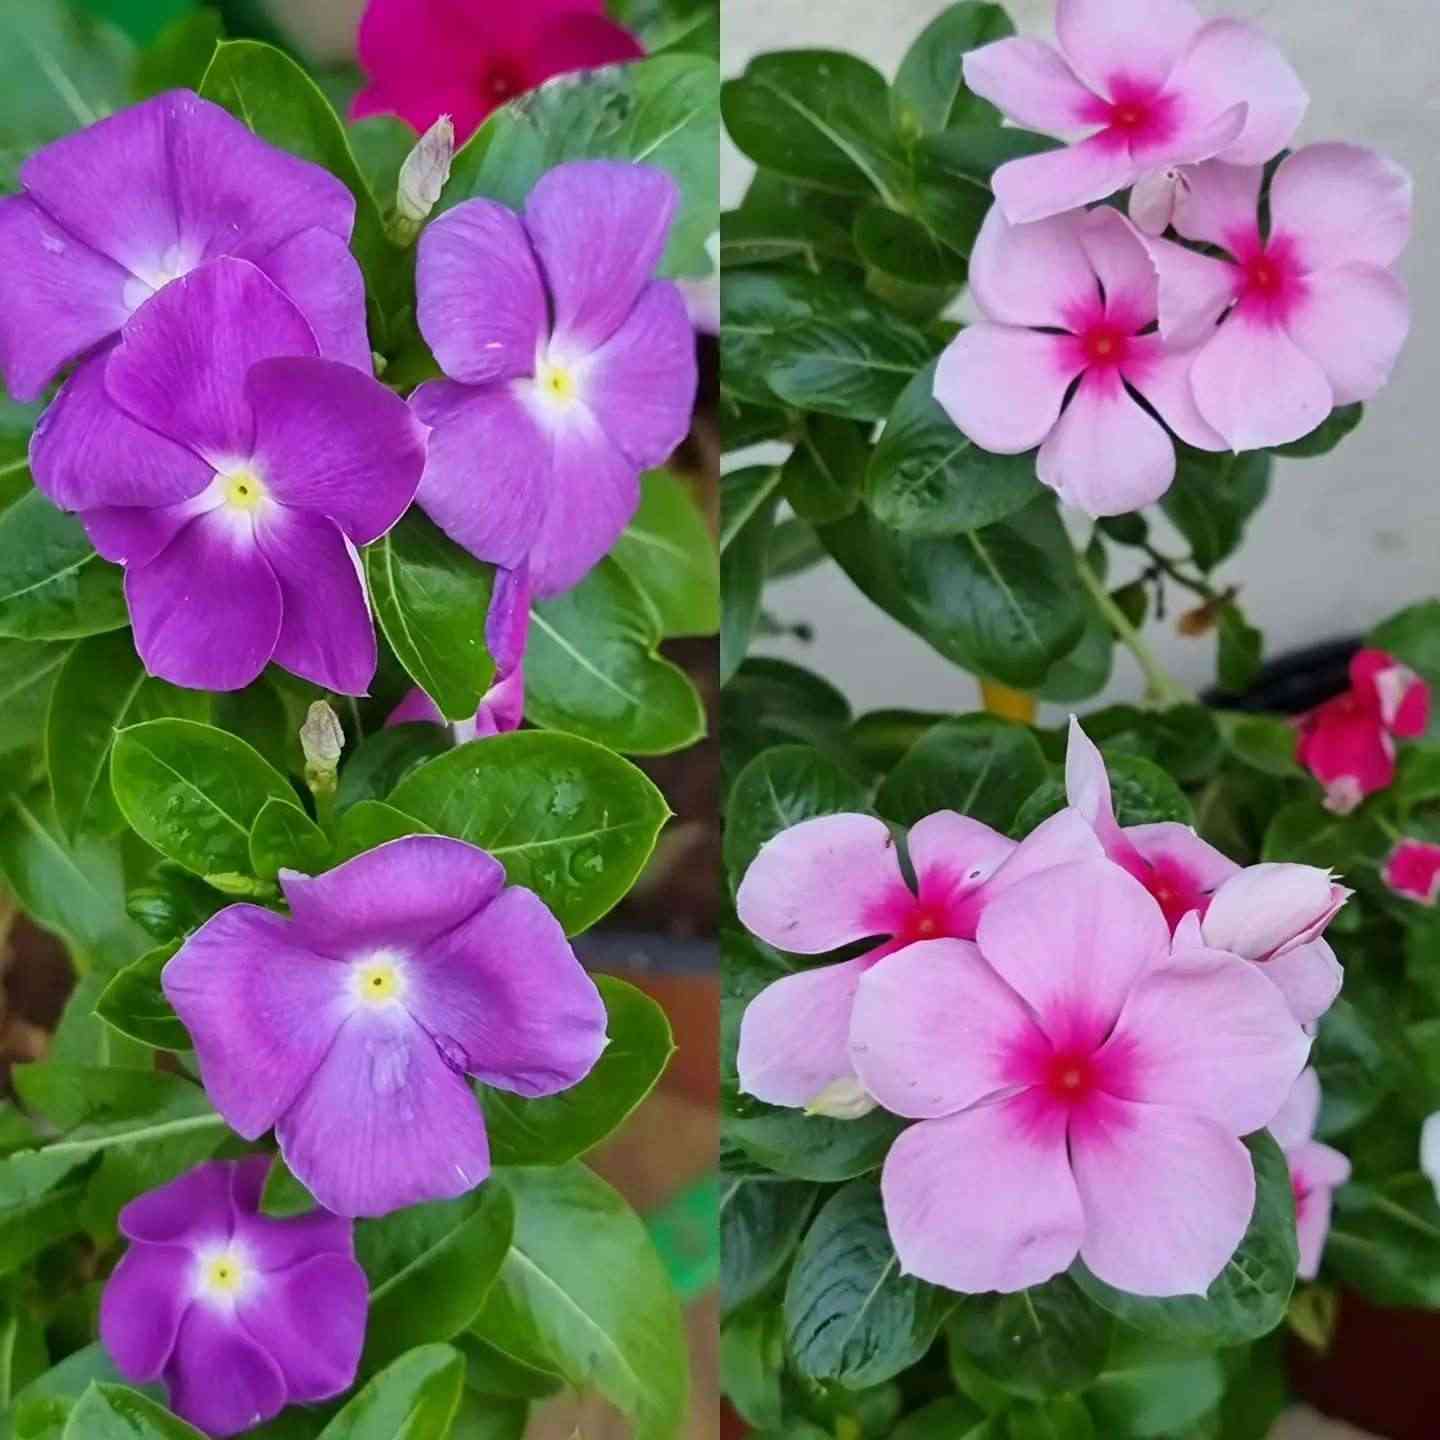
773, 702
557, 1128
1064, 1418
743, 568
180, 54
952, 1419
906, 249
28, 670
491, 1371
1306, 833
568, 819
194, 793
134, 1003
116, 1412
779, 222
825, 473
383, 760
669, 552
53, 586
431, 598
1147, 1390
679, 25
761, 1223
743, 494
286, 838
372, 823
1241, 647
415, 1398
930, 92
592, 670
174, 903
1213, 498
1267, 743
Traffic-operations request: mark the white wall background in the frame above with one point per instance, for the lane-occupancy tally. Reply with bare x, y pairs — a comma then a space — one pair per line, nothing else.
1344, 540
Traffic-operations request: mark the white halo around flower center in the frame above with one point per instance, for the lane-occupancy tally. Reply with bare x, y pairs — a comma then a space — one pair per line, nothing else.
224, 1274
379, 979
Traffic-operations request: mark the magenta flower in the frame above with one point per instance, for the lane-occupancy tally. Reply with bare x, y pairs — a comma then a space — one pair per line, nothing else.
572, 369
1316, 1170
238, 1314
351, 1026
1080, 1090
1141, 85
465, 58
113, 214
252, 470
836, 880
1313, 314
1066, 299
1413, 871
1348, 743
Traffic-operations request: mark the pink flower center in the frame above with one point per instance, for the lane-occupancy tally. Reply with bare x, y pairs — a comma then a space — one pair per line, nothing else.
1070, 1077
1137, 117
1271, 281
1105, 346
1303, 1192
923, 922
502, 80
1174, 889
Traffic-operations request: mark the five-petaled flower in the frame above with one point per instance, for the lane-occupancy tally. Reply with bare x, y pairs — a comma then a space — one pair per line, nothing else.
1080, 1090
1348, 743
1412, 869
1311, 314
351, 1026
572, 369
1071, 299
1142, 85
239, 1314
836, 880
465, 58
1316, 1170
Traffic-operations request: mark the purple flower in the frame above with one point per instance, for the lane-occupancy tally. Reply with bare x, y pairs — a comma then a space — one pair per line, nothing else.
111, 215
571, 368
252, 468
240, 1315
351, 1026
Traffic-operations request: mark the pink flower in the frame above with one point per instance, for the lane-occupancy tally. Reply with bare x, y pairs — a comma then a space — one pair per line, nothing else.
1313, 315
1348, 743
1141, 85
836, 880
1080, 1090
1413, 870
1315, 1170
1066, 299
465, 58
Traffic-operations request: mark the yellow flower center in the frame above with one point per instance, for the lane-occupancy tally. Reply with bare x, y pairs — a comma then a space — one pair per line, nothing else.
379, 981
556, 383
224, 1276
244, 489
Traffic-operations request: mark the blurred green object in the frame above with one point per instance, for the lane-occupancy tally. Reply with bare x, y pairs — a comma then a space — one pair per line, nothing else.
142, 20
686, 1232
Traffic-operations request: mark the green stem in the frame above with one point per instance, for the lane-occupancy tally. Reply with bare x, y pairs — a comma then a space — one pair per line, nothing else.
1161, 688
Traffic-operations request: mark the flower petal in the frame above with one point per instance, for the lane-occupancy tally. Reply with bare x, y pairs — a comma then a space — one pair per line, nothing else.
385, 1121
211, 1345
142, 1307
1162, 376
1122, 264
1087, 785
1168, 1195
1106, 456
1219, 204
952, 855
1032, 84
1353, 321
317, 270
1171, 847
191, 1210
984, 1200
1073, 941
1265, 908
584, 42
505, 990
330, 439
795, 1034
1032, 275
599, 228
1412, 869
1195, 292
483, 309
823, 883
1134, 41
405, 894
1309, 977
935, 1030
1343, 204
135, 534
1003, 387
1313, 1202
207, 609
1294, 1124
261, 1008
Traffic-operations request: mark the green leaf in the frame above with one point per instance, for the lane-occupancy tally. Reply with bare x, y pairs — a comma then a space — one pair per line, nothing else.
820, 118
28, 671
194, 792
850, 1315
1144, 1391
559, 1128
952, 1419
1325, 436
1266, 743
825, 473
371, 823
930, 92
173, 904
438, 1263
53, 586
658, 112
284, 1196
752, 1365
743, 567
1065, 1418
1385, 1241
779, 223
743, 494
981, 766
431, 598
911, 252
1240, 650
592, 670
286, 838
1213, 498
1414, 637
180, 55
566, 818
102, 688
383, 760
928, 479
668, 551
1308, 834
971, 154
134, 1003
116, 1412
772, 702
614, 1326
413, 1399
1249, 1297
1143, 794
761, 1223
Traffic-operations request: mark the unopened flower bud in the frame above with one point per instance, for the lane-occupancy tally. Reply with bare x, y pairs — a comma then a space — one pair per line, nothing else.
422, 178
322, 739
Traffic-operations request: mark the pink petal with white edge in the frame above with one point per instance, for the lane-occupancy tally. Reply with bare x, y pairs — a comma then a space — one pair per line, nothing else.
1232, 61
936, 1030
1141, 41
1168, 1195
1162, 376
1309, 977
1295, 1123
1003, 387
1195, 292
1031, 84
1272, 907
1123, 266
1219, 204
1344, 204
1354, 322
1033, 275
795, 1035
1106, 456
984, 1200
1073, 941
1039, 187
822, 884
1237, 1067
1413, 870
1256, 387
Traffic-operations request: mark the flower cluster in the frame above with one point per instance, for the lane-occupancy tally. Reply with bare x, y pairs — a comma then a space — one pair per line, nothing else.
1083, 1023
1283, 305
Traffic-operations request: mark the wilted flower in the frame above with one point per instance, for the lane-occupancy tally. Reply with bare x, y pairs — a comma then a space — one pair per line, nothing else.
1316, 1170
